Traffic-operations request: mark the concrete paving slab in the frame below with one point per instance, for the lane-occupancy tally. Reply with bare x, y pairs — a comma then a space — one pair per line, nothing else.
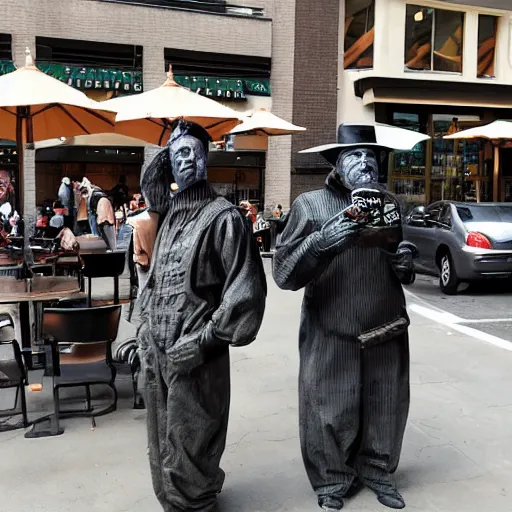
457, 452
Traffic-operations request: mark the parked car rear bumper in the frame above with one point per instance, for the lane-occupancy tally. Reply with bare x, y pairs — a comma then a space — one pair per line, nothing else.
476, 264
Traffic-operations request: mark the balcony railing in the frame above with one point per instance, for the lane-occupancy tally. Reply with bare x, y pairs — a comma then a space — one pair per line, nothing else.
211, 6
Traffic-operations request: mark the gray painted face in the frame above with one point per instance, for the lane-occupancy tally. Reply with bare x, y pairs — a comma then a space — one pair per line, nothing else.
358, 167
188, 160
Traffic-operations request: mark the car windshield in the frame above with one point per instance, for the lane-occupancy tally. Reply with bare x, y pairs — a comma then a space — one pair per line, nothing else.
490, 213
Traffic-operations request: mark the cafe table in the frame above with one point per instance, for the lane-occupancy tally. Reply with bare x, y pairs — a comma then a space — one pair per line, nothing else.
38, 289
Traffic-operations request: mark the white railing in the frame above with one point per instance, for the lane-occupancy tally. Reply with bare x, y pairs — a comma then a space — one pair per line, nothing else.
212, 6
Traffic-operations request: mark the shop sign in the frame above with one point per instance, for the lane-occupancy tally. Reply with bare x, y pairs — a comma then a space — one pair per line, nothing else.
224, 88
87, 78
84, 78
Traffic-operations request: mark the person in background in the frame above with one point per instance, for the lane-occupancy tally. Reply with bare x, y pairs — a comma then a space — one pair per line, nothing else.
8, 214
278, 212
81, 219
120, 196
100, 213
145, 227
249, 210
57, 222
136, 203
67, 199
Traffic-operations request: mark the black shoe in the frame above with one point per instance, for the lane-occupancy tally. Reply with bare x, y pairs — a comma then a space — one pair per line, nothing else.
332, 505
327, 508
394, 500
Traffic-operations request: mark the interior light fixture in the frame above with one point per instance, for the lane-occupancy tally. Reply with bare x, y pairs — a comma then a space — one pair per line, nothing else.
419, 16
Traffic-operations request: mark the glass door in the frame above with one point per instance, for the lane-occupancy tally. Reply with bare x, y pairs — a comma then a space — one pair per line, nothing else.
456, 164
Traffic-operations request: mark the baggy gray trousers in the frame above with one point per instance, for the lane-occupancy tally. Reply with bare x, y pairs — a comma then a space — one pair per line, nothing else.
353, 414
187, 419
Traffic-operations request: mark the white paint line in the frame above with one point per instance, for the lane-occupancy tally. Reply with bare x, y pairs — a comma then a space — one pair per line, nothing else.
447, 319
487, 320
417, 298
455, 319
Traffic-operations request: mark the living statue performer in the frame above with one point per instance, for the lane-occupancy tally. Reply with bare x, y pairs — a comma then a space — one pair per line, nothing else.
343, 244
205, 292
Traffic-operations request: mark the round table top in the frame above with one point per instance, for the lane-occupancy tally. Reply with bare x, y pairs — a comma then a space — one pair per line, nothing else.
13, 290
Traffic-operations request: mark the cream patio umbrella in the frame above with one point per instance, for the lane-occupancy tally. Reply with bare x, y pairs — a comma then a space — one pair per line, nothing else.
496, 132
95, 140
35, 106
263, 122
149, 115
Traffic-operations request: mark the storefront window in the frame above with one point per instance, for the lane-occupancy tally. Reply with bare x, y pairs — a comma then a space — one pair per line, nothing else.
359, 33
457, 165
407, 168
487, 28
433, 39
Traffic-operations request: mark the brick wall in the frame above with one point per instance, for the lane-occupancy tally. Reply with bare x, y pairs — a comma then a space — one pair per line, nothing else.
152, 28
128, 24
315, 95
305, 182
277, 175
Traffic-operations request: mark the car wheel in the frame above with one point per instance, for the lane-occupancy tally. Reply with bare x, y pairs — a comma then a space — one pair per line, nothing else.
448, 280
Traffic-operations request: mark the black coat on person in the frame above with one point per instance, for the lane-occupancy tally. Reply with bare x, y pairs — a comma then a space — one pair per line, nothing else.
353, 402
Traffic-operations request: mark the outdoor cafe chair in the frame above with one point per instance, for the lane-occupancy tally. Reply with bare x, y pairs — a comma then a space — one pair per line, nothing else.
12, 372
103, 264
78, 344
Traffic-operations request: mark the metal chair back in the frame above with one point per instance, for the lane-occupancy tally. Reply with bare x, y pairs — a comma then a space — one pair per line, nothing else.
82, 325
12, 371
103, 264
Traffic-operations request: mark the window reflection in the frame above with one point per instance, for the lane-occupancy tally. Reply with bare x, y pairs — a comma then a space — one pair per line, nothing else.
359, 33
407, 172
487, 27
418, 38
457, 165
434, 39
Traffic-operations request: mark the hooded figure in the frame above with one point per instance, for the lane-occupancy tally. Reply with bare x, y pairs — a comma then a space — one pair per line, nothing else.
205, 292
343, 245
100, 213
66, 198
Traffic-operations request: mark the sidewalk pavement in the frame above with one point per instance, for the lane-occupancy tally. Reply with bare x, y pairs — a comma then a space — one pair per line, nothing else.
457, 454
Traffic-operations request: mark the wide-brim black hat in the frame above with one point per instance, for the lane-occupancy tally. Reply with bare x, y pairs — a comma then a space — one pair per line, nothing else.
378, 136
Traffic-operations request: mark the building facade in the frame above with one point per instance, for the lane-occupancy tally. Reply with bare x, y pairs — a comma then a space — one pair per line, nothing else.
112, 47
428, 65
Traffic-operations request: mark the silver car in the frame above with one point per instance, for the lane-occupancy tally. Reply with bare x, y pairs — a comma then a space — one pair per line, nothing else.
461, 242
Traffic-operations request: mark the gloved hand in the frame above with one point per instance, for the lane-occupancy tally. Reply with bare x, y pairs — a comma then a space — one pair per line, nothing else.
403, 263
338, 229
187, 353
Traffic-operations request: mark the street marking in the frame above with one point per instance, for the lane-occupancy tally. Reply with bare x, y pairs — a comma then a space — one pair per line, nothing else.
453, 322
455, 319
487, 320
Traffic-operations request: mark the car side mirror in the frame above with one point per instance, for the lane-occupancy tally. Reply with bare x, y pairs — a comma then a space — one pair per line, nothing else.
418, 219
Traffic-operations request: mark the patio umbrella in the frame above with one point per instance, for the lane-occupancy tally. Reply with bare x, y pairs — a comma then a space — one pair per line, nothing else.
35, 106
263, 122
96, 140
495, 132
149, 115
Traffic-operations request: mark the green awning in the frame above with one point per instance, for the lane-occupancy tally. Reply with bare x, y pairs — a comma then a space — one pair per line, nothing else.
105, 79
131, 81
225, 88
6, 66
84, 78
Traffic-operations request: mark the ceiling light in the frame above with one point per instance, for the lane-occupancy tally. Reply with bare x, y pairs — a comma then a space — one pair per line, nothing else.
418, 16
